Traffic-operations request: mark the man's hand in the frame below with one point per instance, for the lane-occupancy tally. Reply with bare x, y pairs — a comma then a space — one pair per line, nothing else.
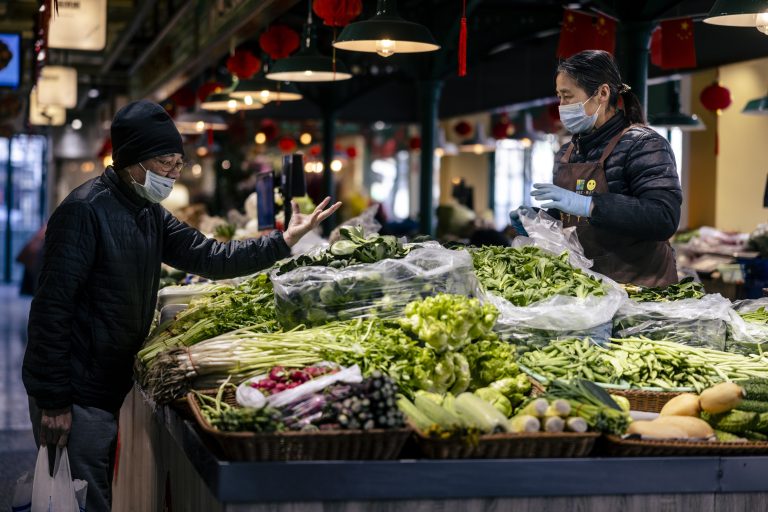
301, 224
55, 426
563, 200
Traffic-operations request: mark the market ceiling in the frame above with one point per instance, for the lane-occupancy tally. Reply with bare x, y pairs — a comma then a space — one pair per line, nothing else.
156, 46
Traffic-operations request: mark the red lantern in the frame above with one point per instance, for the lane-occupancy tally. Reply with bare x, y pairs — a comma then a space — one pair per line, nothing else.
351, 152
715, 97
462, 128
316, 150
269, 129
207, 89
243, 64
184, 97
286, 144
414, 143
337, 13
279, 41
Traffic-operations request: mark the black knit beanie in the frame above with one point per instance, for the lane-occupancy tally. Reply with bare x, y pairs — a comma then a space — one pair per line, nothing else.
142, 130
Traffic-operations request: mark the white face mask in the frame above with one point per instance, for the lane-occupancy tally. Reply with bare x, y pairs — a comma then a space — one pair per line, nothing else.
155, 187
575, 118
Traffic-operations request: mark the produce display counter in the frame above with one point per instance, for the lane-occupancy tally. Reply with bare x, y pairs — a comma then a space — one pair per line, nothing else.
164, 464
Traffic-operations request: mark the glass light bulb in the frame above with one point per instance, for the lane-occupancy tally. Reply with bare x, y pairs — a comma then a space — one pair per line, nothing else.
385, 47
248, 100
306, 138
197, 170
478, 149
336, 165
319, 167
264, 96
439, 152
308, 72
261, 138
200, 126
232, 105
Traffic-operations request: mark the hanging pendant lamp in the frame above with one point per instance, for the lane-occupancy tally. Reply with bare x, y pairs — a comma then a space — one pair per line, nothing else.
308, 65
225, 102
386, 34
191, 123
740, 13
758, 106
263, 91
675, 117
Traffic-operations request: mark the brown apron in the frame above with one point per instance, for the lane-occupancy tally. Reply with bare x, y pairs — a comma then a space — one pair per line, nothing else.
621, 257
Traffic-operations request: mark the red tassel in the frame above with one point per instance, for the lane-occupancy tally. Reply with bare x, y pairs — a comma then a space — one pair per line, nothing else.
463, 42
210, 137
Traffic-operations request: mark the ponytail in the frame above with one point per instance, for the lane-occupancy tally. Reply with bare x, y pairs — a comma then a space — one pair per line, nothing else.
633, 109
593, 68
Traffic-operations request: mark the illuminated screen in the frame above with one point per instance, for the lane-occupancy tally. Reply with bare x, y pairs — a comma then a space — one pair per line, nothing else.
10, 60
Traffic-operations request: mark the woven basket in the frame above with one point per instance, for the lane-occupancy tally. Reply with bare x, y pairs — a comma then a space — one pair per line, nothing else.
618, 447
509, 446
318, 445
642, 400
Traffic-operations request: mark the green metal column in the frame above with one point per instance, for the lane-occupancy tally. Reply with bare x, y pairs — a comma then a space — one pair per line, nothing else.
329, 143
430, 98
492, 181
635, 43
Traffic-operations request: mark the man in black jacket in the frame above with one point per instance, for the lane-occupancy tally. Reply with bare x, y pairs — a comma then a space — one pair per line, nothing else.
98, 288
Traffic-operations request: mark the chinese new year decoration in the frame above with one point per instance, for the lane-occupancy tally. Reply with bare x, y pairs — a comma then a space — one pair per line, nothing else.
279, 41
337, 13
243, 64
585, 32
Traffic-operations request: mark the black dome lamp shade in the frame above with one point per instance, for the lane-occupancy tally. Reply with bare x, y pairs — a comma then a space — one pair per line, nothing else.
386, 34
740, 13
308, 65
263, 90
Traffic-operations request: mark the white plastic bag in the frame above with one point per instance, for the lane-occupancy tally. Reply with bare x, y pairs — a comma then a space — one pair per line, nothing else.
548, 233
22, 494
56, 493
247, 398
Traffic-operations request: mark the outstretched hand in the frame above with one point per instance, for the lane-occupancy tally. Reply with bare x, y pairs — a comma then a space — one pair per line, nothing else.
301, 224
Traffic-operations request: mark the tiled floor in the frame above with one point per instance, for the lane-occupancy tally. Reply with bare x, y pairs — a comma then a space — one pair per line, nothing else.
17, 447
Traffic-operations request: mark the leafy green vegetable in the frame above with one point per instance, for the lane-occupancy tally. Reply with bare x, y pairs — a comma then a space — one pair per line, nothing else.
490, 360
496, 399
249, 304
448, 322
758, 316
685, 289
527, 275
352, 248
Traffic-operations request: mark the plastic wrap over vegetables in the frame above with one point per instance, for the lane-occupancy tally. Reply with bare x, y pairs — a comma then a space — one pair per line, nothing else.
748, 326
542, 287
317, 295
694, 322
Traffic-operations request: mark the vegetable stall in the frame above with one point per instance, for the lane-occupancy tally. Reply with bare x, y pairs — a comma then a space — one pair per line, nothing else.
510, 372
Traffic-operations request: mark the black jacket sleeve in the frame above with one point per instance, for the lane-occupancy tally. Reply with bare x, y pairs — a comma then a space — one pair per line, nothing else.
651, 210
189, 250
68, 254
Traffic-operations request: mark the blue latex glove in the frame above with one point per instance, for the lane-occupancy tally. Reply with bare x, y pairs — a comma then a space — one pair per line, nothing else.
563, 200
514, 219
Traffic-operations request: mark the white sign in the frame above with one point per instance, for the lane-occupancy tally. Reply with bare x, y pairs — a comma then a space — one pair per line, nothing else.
57, 85
79, 25
45, 115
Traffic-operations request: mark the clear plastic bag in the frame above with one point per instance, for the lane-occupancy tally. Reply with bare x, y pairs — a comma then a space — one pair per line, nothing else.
57, 493
548, 234
747, 337
559, 316
318, 295
694, 322
366, 220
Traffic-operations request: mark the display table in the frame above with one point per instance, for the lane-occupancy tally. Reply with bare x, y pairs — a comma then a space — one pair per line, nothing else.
164, 464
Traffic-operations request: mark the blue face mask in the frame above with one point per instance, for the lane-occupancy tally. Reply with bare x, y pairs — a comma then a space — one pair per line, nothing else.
155, 187
575, 119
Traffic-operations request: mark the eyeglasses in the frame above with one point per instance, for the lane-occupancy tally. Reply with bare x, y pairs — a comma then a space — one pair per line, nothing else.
168, 166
